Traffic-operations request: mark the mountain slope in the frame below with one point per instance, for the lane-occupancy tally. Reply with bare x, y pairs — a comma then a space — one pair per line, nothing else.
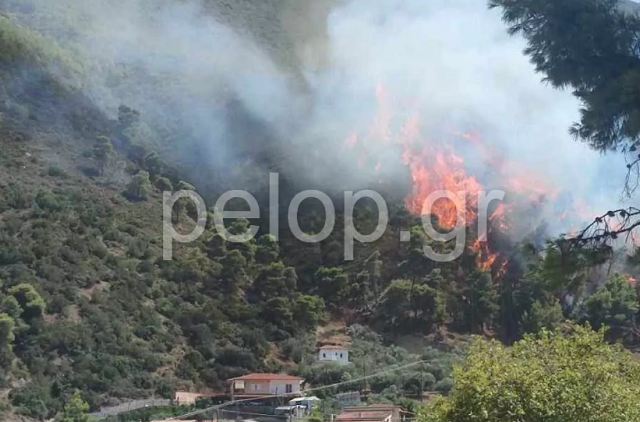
88, 303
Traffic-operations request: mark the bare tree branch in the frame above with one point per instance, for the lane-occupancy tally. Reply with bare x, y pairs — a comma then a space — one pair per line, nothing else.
609, 227
632, 180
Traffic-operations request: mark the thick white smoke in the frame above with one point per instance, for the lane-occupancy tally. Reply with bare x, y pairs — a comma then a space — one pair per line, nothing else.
181, 67
455, 65
449, 62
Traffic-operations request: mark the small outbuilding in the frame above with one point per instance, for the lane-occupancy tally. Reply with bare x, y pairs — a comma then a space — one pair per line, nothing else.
333, 353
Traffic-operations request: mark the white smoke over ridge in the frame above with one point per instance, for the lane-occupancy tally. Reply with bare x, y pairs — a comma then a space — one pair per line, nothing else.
450, 62
455, 62
173, 62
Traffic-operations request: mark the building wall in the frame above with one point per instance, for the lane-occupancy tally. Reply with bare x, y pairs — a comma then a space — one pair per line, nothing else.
348, 399
336, 355
280, 387
256, 387
184, 397
372, 411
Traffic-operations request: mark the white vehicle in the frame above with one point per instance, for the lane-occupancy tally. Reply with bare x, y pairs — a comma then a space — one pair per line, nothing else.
290, 412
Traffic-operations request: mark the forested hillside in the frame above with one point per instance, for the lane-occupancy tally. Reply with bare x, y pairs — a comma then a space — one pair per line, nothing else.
87, 303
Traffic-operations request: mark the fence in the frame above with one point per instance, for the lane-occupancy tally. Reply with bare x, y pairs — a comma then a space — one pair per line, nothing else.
129, 406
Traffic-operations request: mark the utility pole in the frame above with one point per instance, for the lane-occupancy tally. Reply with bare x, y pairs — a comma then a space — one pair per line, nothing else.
421, 384
364, 371
366, 381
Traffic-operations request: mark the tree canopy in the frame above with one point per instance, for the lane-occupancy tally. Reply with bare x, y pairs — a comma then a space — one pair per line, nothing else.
76, 409
592, 47
552, 377
88, 303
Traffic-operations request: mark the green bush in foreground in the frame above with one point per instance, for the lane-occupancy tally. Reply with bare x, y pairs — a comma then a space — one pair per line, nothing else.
551, 377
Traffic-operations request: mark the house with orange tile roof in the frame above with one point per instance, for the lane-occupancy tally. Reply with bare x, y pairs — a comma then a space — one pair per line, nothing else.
263, 385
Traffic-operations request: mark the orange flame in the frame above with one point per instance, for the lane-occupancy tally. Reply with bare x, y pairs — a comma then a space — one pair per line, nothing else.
434, 166
438, 171
484, 257
502, 270
499, 217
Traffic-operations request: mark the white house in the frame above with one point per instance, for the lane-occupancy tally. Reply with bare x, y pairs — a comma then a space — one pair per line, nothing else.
332, 353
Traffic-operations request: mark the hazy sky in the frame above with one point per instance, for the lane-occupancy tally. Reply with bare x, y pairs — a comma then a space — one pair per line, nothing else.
452, 63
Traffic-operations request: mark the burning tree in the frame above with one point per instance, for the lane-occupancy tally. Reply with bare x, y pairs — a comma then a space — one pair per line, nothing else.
514, 272
462, 164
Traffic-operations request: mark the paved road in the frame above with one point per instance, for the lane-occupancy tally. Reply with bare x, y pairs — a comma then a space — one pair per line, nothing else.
129, 406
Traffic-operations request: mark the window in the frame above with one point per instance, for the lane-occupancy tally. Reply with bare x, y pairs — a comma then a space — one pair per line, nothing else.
256, 387
340, 354
288, 388
324, 355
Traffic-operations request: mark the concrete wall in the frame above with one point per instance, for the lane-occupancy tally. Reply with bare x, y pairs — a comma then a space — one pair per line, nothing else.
256, 387
280, 387
184, 398
333, 355
130, 406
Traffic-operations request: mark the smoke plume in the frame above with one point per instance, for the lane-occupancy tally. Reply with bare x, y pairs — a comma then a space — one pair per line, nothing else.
239, 89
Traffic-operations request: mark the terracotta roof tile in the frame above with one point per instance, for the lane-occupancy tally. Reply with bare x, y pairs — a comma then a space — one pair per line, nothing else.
364, 414
267, 377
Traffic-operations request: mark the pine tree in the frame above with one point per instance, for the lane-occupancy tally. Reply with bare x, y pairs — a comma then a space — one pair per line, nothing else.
103, 153
480, 299
153, 165
76, 409
140, 186
613, 304
590, 46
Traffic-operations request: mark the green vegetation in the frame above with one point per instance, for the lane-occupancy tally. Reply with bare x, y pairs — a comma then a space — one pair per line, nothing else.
155, 413
88, 305
402, 374
140, 186
552, 376
590, 46
20, 45
76, 409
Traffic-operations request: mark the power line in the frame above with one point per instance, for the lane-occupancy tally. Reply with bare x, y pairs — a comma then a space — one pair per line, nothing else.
246, 413
324, 387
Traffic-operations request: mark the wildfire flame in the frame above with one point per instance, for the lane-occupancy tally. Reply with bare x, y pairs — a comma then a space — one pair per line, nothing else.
442, 172
435, 166
484, 257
